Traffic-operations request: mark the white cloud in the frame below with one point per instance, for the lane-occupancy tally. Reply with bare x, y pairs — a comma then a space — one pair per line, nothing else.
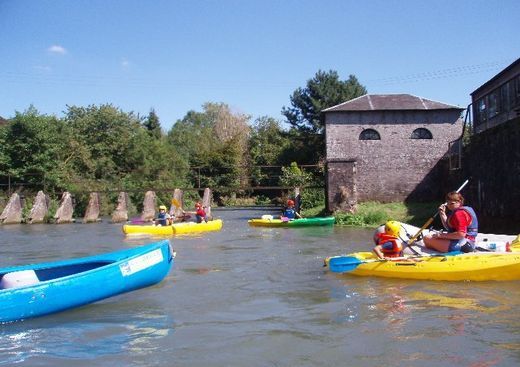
56, 49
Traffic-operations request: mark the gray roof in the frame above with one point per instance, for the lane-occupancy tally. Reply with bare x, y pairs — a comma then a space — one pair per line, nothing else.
381, 102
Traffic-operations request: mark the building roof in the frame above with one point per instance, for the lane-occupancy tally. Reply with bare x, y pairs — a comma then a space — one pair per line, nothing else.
513, 65
384, 102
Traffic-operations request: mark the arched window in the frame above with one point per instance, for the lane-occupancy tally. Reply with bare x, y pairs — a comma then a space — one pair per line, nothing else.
421, 133
369, 134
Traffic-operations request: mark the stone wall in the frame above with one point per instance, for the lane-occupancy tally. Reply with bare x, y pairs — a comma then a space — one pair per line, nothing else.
395, 168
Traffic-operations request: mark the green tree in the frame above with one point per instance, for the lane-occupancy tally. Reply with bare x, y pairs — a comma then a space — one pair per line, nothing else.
215, 140
153, 125
33, 147
323, 91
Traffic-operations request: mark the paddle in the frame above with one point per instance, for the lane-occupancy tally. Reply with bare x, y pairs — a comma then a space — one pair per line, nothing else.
429, 221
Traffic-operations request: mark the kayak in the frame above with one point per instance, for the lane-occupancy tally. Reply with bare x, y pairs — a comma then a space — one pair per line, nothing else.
269, 221
29, 291
176, 228
475, 266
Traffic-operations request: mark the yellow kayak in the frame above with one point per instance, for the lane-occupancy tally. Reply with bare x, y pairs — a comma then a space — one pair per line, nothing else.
176, 228
475, 266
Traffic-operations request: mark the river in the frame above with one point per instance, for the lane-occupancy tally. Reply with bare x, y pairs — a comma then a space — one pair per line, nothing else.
247, 296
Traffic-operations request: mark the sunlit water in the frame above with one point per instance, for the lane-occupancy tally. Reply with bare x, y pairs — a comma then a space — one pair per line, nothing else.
249, 296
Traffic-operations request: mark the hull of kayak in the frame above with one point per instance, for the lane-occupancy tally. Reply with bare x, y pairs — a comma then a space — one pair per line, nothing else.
304, 222
483, 266
176, 228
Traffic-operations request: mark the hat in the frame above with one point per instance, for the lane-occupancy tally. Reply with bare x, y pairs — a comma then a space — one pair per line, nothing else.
162, 207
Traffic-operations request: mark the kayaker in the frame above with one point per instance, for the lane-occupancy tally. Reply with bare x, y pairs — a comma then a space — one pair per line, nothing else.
289, 212
163, 218
461, 226
200, 213
389, 244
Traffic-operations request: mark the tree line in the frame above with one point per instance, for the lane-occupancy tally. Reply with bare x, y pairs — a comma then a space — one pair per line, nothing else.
104, 147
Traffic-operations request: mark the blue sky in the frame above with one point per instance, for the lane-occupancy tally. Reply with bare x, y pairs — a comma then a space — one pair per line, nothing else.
173, 56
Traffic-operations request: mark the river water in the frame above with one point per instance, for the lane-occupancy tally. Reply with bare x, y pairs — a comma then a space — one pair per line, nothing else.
249, 296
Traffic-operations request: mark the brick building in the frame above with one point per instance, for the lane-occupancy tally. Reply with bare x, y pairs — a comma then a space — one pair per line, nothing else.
388, 147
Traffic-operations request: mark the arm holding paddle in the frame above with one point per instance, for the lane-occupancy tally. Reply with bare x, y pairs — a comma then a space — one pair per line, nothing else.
412, 240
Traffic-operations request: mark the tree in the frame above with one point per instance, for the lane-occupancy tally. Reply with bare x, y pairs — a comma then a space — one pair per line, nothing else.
33, 146
323, 91
153, 125
216, 138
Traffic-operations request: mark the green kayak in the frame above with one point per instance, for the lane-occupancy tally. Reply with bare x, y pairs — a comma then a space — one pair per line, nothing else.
269, 221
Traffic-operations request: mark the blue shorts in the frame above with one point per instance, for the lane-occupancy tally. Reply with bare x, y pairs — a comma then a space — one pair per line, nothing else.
456, 245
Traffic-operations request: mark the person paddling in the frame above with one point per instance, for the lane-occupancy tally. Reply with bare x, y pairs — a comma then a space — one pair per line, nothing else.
200, 213
163, 218
461, 226
290, 212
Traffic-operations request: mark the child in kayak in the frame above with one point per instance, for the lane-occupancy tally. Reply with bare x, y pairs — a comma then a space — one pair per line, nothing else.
200, 213
388, 243
163, 218
289, 212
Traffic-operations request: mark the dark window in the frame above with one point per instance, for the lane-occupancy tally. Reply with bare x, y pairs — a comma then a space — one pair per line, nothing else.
505, 99
481, 110
369, 134
421, 133
492, 103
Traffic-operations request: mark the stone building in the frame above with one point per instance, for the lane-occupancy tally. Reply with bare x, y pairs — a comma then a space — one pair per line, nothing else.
388, 147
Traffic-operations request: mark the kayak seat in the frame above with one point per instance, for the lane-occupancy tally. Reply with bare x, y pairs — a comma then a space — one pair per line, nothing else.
18, 279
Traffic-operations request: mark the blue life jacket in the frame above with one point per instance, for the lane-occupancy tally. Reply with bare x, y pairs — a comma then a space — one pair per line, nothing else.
289, 213
473, 225
161, 219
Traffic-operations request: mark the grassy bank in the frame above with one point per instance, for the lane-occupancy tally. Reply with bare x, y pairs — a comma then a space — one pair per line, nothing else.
372, 214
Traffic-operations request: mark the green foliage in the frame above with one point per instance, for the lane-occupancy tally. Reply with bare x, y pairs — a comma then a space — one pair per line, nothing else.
373, 214
323, 91
152, 125
293, 176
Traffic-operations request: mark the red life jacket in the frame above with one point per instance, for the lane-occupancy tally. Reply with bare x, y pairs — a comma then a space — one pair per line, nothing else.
391, 246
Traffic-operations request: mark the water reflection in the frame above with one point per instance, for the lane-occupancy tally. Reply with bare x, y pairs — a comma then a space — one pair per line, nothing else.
87, 333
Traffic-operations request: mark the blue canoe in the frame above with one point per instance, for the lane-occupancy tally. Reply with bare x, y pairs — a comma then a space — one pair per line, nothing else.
39, 289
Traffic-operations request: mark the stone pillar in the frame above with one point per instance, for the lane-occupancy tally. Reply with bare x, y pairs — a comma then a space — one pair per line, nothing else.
121, 212
207, 198
345, 201
177, 203
40, 208
92, 212
148, 206
65, 211
12, 213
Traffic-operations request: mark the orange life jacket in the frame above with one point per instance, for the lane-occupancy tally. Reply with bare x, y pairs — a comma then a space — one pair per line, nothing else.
391, 246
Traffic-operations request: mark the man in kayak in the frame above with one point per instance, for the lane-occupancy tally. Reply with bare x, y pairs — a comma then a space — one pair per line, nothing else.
290, 213
461, 225
388, 243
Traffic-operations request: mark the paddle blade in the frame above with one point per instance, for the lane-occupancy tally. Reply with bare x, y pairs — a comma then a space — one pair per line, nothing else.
343, 264
176, 203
